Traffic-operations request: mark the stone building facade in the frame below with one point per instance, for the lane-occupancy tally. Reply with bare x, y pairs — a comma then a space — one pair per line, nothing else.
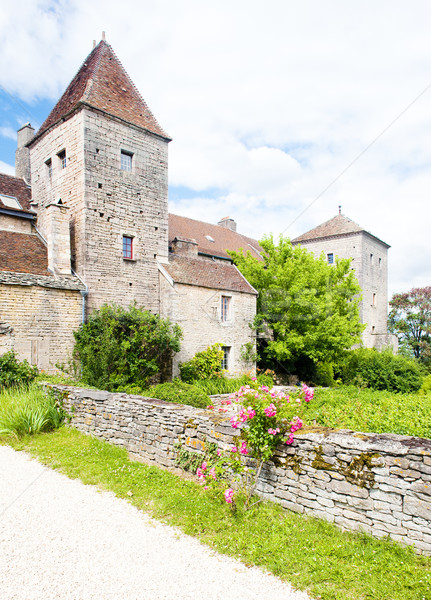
85, 222
340, 237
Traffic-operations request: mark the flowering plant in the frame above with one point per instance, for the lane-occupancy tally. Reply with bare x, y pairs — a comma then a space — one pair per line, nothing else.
266, 418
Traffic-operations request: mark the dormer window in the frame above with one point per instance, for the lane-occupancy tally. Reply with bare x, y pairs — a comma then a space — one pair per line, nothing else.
10, 201
62, 158
126, 160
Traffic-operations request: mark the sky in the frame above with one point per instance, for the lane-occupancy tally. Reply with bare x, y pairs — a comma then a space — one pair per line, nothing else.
280, 111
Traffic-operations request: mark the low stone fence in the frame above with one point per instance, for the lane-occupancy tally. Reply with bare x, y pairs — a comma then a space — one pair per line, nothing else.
377, 483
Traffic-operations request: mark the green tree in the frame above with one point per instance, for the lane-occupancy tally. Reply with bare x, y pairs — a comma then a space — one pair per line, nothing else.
410, 320
310, 308
119, 347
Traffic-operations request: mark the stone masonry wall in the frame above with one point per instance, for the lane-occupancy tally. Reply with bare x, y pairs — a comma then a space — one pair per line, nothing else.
377, 483
197, 309
37, 319
370, 261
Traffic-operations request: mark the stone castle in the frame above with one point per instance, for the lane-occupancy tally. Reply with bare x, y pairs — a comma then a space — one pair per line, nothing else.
85, 222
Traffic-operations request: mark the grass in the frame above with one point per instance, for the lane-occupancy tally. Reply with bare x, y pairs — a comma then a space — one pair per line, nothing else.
311, 554
27, 410
367, 410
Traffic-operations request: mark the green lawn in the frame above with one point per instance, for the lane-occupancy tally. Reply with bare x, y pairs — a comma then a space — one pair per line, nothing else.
367, 410
309, 553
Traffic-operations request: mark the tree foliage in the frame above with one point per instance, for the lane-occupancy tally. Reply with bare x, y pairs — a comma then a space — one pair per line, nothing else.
410, 320
310, 308
118, 347
206, 364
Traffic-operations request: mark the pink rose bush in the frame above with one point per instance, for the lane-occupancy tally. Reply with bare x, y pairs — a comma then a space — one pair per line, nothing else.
266, 418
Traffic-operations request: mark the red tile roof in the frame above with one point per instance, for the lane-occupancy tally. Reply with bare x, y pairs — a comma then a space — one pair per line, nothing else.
224, 238
23, 253
103, 83
17, 188
337, 226
207, 273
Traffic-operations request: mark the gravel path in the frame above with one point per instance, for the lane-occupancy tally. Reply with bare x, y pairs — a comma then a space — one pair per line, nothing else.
64, 540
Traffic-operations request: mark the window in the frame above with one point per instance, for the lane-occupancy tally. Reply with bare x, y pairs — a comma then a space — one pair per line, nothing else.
126, 160
10, 201
225, 308
225, 359
49, 167
127, 247
62, 158
330, 259
380, 262
371, 259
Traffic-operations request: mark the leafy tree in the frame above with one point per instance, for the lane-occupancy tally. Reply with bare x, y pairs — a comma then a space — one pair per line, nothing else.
118, 347
410, 320
310, 308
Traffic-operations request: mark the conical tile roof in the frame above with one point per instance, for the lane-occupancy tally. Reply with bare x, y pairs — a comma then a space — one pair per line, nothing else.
339, 225
103, 83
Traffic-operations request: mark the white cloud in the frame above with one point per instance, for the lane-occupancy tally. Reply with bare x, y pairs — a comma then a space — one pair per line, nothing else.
5, 168
8, 132
267, 103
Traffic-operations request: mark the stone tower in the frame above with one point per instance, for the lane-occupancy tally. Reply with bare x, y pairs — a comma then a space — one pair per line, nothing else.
99, 169
343, 238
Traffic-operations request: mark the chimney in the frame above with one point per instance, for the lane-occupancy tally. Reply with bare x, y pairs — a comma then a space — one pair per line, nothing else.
228, 223
22, 154
58, 238
185, 247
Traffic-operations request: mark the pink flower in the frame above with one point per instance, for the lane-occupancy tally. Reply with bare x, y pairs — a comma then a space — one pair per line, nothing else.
264, 388
274, 431
210, 407
222, 409
213, 474
228, 495
296, 424
200, 473
205, 487
218, 452
204, 466
250, 412
308, 392
270, 410
253, 378
289, 439
243, 448
234, 421
234, 449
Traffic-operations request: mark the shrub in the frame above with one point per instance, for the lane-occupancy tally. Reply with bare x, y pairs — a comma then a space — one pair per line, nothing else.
14, 372
426, 386
26, 411
204, 365
179, 392
119, 347
367, 367
229, 385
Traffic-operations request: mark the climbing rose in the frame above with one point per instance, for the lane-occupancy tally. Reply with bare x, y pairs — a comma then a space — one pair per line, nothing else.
296, 424
243, 448
228, 495
289, 439
234, 449
270, 410
308, 392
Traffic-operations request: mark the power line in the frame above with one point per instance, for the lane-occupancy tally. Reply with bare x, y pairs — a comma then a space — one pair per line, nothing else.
359, 155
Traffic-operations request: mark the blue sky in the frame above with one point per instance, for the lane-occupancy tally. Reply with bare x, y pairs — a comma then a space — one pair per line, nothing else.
267, 104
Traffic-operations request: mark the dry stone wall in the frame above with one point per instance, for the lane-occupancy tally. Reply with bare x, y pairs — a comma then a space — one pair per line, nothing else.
380, 484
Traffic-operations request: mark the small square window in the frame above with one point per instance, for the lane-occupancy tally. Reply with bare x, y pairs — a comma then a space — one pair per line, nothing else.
127, 247
225, 359
126, 160
225, 308
48, 164
330, 259
62, 158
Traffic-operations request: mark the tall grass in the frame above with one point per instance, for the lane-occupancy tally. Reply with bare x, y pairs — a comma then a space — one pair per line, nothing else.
28, 410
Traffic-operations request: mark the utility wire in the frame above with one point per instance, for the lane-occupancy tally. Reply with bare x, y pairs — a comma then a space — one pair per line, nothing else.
359, 156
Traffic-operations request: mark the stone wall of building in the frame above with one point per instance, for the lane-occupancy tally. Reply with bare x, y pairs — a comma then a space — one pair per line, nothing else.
370, 261
380, 484
197, 312
38, 316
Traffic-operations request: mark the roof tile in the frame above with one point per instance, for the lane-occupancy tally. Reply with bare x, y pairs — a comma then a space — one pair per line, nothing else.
103, 83
207, 273
224, 238
17, 188
23, 253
